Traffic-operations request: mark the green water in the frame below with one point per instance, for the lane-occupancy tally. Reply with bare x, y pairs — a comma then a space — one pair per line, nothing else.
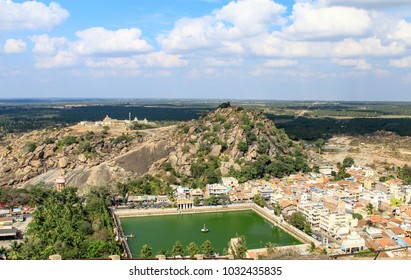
161, 232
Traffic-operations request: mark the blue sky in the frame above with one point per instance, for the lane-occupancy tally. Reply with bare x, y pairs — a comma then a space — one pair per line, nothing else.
244, 49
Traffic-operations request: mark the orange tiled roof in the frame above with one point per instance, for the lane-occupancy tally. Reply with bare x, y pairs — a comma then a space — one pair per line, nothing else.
384, 242
285, 203
396, 220
375, 219
397, 230
407, 240
372, 245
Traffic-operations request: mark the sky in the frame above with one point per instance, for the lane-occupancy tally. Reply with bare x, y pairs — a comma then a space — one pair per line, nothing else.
244, 49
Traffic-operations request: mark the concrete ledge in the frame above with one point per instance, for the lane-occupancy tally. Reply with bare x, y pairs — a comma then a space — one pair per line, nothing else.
55, 257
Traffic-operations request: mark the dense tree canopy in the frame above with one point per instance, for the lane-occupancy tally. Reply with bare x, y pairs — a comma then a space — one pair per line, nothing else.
73, 227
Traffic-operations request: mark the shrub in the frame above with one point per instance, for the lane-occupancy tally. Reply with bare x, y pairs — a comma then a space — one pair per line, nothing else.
67, 141
227, 125
29, 147
243, 146
225, 105
219, 118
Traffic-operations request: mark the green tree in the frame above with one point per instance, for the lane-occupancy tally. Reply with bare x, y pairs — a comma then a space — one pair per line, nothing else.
207, 248
192, 249
259, 200
196, 201
348, 162
357, 216
3, 252
163, 252
239, 248
370, 209
404, 173
178, 249
263, 146
242, 146
14, 251
319, 143
96, 249
225, 105
277, 209
270, 248
312, 247
307, 228
146, 252
29, 147
298, 220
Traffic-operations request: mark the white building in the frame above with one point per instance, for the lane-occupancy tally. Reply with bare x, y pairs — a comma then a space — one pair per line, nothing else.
216, 189
265, 192
353, 243
368, 172
313, 213
336, 223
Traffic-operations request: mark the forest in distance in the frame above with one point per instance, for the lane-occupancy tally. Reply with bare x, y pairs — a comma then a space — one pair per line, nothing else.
301, 120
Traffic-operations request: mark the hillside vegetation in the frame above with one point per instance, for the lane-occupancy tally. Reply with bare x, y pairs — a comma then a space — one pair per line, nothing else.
230, 141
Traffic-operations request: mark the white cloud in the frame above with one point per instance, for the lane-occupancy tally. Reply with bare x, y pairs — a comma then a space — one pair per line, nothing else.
280, 63
401, 33
262, 71
93, 41
98, 40
365, 3
310, 21
228, 38
249, 17
98, 48
44, 45
275, 45
236, 20
112, 62
217, 62
58, 60
162, 60
14, 46
371, 46
359, 64
150, 60
401, 63
381, 73
30, 15
52, 52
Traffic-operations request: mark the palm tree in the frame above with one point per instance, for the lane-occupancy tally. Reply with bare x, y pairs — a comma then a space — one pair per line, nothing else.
370, 209
14, 252
146, 252
178, 249
270, 248
192, 249
3, 252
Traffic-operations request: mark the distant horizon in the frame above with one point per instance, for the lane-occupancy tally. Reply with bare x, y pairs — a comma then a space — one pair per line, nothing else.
191, 99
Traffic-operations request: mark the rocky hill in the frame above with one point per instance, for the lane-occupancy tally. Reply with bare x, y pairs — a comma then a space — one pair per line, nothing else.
225, 141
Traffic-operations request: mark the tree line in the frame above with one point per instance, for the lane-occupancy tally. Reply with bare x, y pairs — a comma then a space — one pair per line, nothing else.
69, 225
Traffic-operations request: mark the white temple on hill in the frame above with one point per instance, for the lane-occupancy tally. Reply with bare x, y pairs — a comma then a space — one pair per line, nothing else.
107, 121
